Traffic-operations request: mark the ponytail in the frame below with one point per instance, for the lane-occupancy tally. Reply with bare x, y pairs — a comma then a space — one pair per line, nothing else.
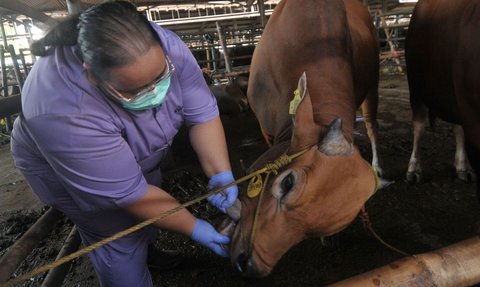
63, 34
108, 35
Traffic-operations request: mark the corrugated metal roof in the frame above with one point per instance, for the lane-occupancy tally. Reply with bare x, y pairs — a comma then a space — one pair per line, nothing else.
48, 6
44, 5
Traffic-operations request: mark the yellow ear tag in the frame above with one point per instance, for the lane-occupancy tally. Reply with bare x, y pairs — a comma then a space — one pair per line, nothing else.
255, 186
294, 103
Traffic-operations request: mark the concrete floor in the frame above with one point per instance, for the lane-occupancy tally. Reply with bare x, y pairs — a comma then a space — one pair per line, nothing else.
15, 194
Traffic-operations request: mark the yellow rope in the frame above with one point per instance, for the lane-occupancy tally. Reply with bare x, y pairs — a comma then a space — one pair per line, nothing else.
132, 229
118, 235
280, 162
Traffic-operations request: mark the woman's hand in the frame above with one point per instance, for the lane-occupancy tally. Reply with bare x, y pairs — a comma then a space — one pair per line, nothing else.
205, 234
227, 197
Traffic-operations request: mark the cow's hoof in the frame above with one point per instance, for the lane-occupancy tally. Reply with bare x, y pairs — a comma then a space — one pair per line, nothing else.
383, 183
414, 177
466, 175
379, 171
330, 241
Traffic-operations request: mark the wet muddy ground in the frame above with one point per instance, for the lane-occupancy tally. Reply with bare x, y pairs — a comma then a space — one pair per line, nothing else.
414, 218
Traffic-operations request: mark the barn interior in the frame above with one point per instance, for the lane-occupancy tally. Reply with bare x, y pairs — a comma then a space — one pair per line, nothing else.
222, 35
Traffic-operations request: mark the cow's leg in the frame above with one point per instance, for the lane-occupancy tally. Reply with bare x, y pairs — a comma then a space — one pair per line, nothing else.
419, 121
369, 112
473, 153
462, 166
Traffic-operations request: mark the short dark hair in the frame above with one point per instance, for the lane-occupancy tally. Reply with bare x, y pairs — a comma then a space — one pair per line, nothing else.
108, 35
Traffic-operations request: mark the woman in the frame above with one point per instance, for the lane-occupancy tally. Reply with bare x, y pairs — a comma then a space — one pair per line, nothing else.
100, 109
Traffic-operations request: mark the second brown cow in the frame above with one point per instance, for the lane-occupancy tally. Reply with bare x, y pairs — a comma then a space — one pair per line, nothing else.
443, 64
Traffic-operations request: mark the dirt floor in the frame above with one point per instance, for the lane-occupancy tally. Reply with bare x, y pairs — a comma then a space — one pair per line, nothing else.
414, 218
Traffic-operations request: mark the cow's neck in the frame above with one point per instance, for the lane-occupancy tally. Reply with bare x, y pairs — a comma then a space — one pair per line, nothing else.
332, 97
324, 116
325, 112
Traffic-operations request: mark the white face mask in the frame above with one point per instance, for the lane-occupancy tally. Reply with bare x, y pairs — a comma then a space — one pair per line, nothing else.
152, 99
149, 97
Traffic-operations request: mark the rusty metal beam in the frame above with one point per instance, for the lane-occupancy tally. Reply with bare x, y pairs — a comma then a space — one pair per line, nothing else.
18, 7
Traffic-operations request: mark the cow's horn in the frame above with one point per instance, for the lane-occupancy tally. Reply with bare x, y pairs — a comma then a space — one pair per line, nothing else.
334, 143
235, 210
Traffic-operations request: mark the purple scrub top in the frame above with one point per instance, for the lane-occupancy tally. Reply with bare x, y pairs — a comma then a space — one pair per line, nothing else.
86, 155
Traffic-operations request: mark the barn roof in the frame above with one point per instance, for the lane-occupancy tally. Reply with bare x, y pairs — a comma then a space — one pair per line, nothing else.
41, 10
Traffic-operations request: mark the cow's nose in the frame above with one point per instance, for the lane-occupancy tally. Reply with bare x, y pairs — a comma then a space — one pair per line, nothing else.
243, 263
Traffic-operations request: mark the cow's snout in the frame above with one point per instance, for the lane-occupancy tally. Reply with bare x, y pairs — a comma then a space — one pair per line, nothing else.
245, 265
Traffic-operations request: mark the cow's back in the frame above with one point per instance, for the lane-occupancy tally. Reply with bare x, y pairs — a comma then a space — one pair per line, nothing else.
337, 70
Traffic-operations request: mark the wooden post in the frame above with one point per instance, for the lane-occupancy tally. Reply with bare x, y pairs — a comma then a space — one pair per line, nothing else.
209, 58
457, 265
389, 41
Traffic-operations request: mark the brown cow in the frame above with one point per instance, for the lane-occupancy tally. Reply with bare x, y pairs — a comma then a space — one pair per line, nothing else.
442, 53
231, 97
322, 191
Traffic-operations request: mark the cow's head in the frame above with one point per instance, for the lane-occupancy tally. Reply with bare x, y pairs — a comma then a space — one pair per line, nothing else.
317, 194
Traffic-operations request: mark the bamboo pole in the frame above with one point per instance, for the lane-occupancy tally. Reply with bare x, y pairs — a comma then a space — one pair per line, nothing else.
386, 29
57, 275
456, 265
22, 247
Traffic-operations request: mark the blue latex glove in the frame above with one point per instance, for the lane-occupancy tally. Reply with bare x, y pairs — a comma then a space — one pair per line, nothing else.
226, 198
205, 234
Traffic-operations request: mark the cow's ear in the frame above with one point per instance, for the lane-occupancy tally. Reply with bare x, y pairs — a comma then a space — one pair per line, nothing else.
334, 143
305, 131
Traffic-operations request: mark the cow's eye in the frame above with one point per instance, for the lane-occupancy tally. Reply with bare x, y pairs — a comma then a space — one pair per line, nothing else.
287, 184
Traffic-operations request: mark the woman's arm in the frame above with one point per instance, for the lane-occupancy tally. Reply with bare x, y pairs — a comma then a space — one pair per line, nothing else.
208, 141
156, 201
